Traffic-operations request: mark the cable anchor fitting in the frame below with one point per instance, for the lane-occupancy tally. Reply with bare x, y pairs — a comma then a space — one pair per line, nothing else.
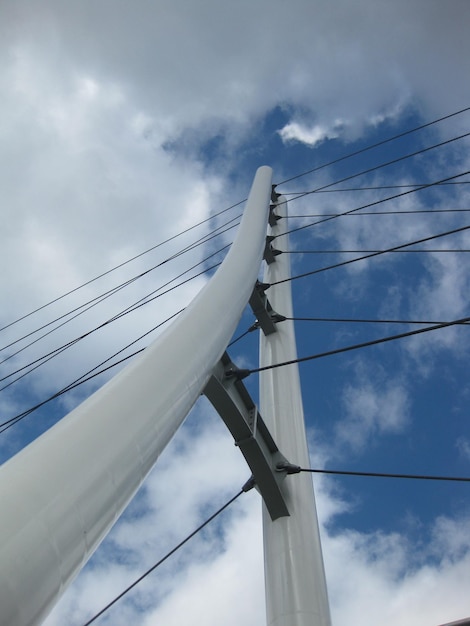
236, 372
249, 485
288, 468
261, 287
269, 252
273, 218
277, 317
266, 317
274, 195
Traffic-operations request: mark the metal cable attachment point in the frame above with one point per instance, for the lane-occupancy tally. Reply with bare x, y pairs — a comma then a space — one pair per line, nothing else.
289, 468
249, 485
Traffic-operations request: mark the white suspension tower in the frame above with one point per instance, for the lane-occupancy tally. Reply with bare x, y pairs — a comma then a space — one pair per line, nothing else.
61, 494
296, 593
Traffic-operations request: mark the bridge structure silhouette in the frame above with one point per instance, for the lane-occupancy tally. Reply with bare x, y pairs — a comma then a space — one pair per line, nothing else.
62, 493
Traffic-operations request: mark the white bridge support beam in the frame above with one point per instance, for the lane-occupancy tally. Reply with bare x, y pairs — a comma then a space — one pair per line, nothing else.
296, 593
60, 495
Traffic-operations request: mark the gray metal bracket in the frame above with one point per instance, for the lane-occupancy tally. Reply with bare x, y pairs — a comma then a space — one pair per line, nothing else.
266, 316
270, 253
273, 218
229, 396
274, 195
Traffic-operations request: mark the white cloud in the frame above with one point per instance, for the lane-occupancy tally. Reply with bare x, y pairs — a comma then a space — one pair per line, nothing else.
442, 296
386, 579
313, 134
295, 131
375, 405
463, 446
84, 190
181, 63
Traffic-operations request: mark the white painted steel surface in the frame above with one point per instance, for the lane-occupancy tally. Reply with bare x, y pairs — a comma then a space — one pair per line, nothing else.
61, 495
296, 593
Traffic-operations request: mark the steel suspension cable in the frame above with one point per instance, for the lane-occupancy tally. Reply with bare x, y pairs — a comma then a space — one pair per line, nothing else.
361, 321
129, 309
376, 145
140, 303
422, 250
116, 267
98, 299
244, 489
89, 375
386, 164
343, 320
358, 346
290, 468
363, 213
465, 479
371, 188
373, 254
370, 204
79, 381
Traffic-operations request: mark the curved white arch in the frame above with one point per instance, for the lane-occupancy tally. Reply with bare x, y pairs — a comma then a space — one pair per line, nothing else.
61, 494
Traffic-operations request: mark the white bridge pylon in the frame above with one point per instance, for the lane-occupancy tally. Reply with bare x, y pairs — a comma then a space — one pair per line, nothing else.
296, 593
61, 494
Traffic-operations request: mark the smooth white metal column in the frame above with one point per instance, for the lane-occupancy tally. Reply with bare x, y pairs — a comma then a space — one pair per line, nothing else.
61, 494
296, 593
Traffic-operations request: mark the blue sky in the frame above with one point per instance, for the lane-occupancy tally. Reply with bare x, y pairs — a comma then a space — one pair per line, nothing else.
113, 144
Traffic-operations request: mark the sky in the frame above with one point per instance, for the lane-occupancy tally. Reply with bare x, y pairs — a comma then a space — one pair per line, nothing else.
124, 125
